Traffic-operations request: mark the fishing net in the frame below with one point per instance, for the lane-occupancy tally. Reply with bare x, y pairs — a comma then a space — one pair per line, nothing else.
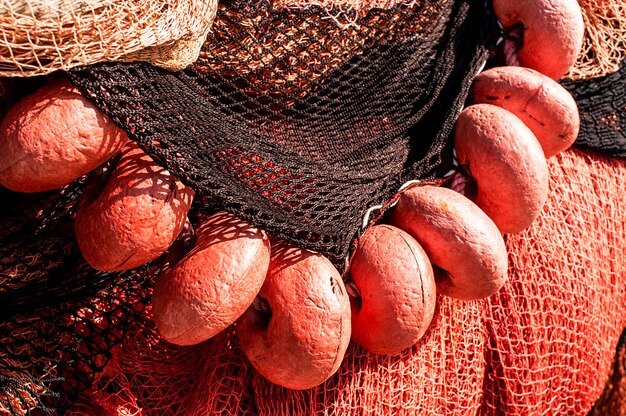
267, 82
343, 12
296, 124
57, 325
356, 5
215, 377
553, 329
41, 36
605, 29
604, 44
603, 116
544, 345
299, 124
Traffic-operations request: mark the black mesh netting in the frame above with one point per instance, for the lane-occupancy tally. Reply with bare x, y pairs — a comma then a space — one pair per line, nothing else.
602, 105
296, 124
59, 318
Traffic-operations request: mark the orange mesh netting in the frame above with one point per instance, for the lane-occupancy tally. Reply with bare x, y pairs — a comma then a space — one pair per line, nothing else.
554, 328
543, 345
215, 377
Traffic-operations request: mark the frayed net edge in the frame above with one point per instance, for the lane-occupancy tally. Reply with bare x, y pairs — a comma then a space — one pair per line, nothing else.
345, 13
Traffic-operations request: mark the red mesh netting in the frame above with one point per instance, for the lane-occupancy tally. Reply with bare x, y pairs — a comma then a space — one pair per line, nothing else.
215, 377
442, 374
543, 345
554, 328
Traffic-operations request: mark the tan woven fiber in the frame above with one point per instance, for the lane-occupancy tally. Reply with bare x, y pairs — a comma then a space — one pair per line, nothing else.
604, 45
41, 36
